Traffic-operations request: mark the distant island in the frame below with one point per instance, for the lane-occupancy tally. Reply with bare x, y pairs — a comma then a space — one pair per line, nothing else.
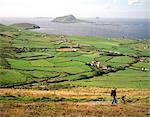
69, 19
25, 26
97, 18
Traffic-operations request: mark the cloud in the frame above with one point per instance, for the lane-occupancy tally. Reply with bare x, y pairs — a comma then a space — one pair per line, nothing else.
79, 8
132, 2
107, 6
115, 1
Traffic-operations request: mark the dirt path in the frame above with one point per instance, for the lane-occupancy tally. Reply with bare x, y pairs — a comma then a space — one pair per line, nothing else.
96, 103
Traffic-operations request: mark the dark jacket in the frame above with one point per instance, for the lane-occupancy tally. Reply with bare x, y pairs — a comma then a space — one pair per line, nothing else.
113, 93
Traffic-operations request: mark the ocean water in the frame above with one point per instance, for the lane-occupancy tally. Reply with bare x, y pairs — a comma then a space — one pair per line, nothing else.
109, 28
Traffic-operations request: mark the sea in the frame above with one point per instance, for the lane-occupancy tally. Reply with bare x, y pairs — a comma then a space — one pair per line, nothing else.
106, 27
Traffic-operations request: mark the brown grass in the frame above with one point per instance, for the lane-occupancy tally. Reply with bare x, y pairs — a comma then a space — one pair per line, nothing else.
140, 107
79, 92
66, 50
70, 109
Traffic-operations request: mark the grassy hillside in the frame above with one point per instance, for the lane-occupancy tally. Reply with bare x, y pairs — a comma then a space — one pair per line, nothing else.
37, 71
24, 53
25, 26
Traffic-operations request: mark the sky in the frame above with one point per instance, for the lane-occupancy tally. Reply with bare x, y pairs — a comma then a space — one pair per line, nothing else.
79, 8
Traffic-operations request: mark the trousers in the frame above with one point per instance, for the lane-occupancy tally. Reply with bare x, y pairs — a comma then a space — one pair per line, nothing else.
114, 100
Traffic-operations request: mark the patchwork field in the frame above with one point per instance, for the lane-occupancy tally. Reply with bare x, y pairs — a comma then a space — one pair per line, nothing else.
62, 75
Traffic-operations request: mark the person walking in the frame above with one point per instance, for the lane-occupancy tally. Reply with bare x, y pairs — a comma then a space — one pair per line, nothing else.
114, 96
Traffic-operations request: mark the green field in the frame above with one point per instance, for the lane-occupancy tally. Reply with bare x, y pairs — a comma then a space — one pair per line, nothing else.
121, 79
27, 55
47, 75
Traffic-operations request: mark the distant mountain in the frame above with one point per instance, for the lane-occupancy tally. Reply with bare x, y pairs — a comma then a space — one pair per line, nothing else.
68, 19
25, 26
